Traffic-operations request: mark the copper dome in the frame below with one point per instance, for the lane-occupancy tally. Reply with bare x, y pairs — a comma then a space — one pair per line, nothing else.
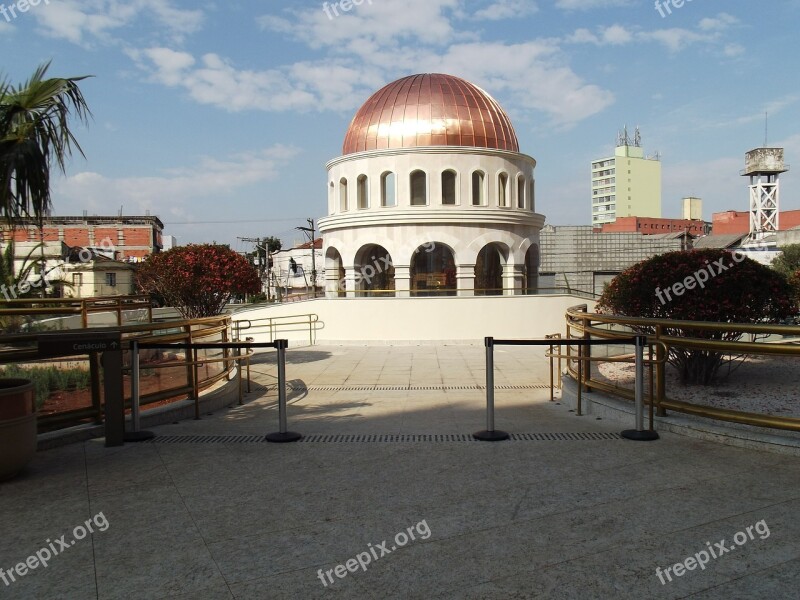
430, 110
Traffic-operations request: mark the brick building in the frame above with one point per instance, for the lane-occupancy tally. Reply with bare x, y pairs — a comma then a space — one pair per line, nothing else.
648, 225
736, 221
132, 238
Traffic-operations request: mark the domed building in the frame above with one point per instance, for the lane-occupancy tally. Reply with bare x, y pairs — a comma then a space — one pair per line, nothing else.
431, 197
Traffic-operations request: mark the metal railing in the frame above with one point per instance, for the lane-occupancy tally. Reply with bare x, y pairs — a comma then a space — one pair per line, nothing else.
281, 436
664, 336
273, 326
464, 292
85, 307
24, 349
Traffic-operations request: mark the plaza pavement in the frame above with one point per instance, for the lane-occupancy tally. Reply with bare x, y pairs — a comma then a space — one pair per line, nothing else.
587, 517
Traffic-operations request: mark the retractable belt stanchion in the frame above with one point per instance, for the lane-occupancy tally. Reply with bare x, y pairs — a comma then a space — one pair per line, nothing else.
283, 435
490, 434
640, 434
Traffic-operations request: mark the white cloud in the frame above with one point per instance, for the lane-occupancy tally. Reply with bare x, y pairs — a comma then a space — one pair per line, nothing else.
615, 35
675, 39
719, 23
506, 9
209, 178
78, 22
591, 4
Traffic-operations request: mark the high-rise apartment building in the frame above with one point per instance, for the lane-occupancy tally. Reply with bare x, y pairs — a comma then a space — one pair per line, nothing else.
626, 184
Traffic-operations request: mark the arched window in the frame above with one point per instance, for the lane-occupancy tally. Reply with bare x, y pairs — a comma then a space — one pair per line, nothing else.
419, 188
433, 271
334, 274
478, 194
502, 190
362, 191
449, 187
374, 272
388, 196
343, 194
521, 192
531, 196
489, 270
532, 270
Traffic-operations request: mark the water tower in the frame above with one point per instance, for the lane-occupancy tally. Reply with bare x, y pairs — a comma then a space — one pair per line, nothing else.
764, 166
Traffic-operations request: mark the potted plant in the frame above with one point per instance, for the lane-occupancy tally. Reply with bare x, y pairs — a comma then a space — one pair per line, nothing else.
17, 425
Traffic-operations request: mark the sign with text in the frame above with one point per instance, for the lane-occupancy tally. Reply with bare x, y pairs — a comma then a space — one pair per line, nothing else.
70, 343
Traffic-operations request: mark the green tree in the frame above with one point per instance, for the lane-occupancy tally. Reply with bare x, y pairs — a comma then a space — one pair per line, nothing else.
35, 133
788, 262
744, 291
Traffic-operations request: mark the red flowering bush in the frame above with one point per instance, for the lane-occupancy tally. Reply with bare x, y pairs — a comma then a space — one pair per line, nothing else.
700, 285
199, 279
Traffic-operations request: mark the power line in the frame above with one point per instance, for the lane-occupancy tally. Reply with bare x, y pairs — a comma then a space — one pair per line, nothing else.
231, 222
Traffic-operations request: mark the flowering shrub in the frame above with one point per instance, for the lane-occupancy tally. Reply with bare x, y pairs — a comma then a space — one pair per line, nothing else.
198, 279
735, 289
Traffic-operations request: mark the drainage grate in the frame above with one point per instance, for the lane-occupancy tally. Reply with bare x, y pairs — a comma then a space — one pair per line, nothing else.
349, 438
402, 388
206, 439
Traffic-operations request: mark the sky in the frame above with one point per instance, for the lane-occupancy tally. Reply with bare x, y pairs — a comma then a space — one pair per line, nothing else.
219, 117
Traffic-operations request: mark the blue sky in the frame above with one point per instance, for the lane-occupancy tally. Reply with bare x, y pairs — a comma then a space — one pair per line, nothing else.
220, 116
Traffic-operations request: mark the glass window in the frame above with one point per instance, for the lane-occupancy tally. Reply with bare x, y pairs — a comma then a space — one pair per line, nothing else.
502, 195
362, 191
521, 192
388, 197
478, 196
419, 188
343, 194
449, 187
111, 279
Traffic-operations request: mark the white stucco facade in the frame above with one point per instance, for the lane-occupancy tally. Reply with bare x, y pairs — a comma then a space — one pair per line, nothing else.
372, 202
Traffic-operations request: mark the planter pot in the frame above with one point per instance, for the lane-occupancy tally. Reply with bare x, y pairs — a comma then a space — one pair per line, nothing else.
17, 426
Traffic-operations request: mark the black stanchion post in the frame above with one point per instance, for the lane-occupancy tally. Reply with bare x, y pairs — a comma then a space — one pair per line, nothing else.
283, 435
114, 405
640, 434
135, 434
490, 434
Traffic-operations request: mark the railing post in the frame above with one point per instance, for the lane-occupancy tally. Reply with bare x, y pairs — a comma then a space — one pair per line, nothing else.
579, 408
135, 434
661, 375
283, 435
640, 434
490, 434
195, 384
94, 374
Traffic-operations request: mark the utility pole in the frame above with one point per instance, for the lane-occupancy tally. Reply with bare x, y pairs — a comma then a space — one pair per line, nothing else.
259, 247
310, 232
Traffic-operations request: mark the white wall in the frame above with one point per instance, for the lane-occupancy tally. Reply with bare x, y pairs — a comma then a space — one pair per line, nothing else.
382, 320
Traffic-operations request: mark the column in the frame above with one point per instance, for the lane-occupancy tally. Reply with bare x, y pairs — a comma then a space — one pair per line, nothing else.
513, 279
352, 278
402, 281
465, 280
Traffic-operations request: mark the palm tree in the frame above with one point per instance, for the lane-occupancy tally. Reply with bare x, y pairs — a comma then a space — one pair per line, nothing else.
34, 132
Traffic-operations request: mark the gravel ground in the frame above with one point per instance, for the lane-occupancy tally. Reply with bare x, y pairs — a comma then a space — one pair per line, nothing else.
766, 385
